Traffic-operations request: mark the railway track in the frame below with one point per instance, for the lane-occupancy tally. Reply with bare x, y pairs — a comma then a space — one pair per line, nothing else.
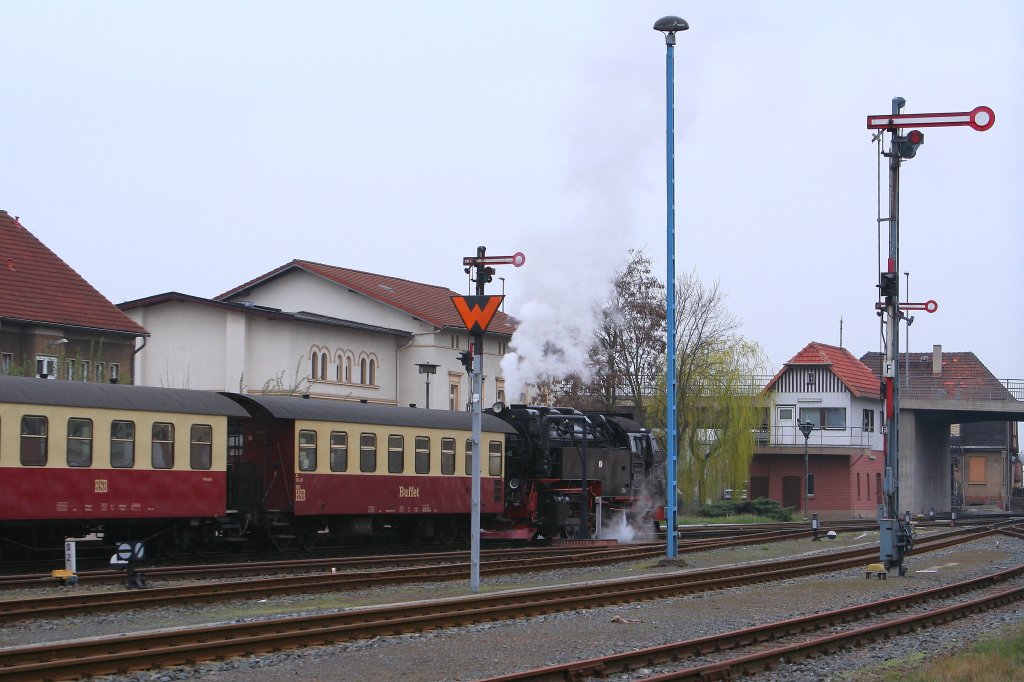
763, 639
339, 564
374, 573
61, 660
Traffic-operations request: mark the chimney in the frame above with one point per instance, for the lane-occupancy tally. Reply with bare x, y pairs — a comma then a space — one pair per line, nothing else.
936, 360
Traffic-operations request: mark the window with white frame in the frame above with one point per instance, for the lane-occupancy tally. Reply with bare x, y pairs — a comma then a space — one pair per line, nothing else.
70, 367
868, 422
454, 401
46, 366
499, 390
6, 362
100, 373
824, 417
86, 367
115, 372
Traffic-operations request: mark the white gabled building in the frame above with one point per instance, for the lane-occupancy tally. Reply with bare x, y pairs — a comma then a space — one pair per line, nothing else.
327, 331
840, 397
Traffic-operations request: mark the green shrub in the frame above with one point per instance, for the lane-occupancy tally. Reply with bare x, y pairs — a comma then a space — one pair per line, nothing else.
762, 506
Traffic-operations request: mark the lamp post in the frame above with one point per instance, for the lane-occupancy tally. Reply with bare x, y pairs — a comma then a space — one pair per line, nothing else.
427, 368
670, 25
806, 428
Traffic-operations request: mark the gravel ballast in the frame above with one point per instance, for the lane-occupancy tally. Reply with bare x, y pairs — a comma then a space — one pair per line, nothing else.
473, 652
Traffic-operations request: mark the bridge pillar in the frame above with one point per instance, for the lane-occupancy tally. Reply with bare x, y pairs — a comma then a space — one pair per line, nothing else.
924, 463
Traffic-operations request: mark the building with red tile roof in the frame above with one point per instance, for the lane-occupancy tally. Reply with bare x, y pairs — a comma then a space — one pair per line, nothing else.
830, 389
53, 322
323, 330
426, 302
854, 375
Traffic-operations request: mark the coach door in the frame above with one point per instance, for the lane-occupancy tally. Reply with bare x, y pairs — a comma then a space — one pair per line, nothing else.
785, 425
242, 473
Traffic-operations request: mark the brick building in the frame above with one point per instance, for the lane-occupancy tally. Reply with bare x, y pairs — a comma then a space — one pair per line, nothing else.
833, 391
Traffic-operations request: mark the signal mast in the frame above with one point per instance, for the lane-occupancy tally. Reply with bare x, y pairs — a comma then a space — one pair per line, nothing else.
895, 534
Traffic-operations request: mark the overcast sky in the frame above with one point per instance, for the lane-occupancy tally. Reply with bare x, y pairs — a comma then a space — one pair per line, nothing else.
191, 146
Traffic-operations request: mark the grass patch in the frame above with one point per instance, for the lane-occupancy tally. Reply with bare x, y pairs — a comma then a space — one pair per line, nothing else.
999, 658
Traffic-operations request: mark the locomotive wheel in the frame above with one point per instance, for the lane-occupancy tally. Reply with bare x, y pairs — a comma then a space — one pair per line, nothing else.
282, 544
308, 540
170, 546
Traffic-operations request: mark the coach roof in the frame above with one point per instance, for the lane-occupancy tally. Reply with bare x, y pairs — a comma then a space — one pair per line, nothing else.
313, 409
33, 391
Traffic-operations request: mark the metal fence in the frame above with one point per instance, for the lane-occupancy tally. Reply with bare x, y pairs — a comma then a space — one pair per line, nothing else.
1008, 389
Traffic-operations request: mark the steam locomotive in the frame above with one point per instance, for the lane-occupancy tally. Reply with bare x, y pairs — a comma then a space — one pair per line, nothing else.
198, 471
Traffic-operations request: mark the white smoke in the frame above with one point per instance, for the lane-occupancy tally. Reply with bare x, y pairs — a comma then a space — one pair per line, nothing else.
551, 341
572, 262
619, 529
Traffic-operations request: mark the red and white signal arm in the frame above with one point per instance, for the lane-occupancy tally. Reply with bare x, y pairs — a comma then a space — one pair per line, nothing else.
979, 118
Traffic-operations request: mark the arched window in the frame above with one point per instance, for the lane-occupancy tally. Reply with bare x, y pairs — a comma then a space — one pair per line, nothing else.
347, 377
323, 365
362, 371
314, 365
373, 372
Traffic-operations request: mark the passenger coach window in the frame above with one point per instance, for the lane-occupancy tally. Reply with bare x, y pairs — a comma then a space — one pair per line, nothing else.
33, 441
396, 454
469, 456
122, 444
163, 445
447, 456
422, 455
79, 442
339, 451
368, 452
200, 454
494, 459
307, 450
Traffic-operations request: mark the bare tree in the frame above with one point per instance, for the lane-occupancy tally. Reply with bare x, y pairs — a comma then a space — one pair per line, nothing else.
627, 355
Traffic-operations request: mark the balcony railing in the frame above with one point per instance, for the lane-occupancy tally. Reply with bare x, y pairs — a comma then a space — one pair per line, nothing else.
1008, 389
791, 435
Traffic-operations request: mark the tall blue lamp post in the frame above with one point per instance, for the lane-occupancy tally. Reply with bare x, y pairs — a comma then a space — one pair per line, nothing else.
670, 26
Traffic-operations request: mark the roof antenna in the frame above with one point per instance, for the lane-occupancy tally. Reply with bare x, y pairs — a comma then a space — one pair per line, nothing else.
840, 331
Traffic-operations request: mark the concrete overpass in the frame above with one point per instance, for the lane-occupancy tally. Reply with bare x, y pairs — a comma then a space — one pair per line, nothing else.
937, 390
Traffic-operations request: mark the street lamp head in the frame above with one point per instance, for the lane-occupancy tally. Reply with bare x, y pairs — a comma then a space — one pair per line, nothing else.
669, 26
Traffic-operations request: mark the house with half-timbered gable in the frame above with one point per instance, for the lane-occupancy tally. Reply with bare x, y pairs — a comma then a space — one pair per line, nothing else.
837, 469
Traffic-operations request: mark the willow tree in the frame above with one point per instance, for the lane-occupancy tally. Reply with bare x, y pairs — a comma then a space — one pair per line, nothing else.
718, 409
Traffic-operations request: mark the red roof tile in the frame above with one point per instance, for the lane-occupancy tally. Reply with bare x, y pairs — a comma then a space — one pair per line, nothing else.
37, 286
963, 375
428, 302
854, 374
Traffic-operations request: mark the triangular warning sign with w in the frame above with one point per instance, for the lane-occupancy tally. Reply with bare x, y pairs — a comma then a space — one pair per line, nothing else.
477, 311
